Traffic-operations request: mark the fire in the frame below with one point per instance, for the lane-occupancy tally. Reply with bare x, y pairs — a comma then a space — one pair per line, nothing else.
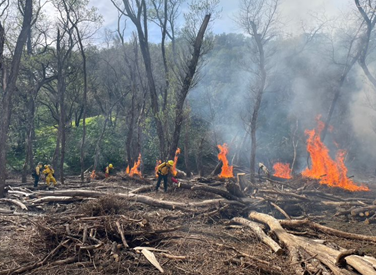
282, 170
324, 168
226, 171
158, 162
93, 175
127, 170
136, 166
177, 152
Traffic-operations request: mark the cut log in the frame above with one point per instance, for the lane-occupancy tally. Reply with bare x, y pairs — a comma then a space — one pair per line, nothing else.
260, 234
317, 250
358, 211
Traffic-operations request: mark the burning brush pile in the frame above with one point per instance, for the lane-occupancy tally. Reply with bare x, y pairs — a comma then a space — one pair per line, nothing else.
324, 169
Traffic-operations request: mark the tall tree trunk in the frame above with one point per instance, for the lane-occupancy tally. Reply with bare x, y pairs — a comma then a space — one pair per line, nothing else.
82, 148
10, 87
98, 145
199, 157
337, 92
164, 30
192, 66
30, 133
61, 86
128, 143
186, 149
260, 92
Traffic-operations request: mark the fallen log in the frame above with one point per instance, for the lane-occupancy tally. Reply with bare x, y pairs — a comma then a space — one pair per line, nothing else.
56, 199
217, 191
285, 194
327, 230
260, 234
324, 254
15, 202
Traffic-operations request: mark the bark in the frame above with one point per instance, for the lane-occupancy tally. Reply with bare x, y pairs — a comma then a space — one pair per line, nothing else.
61, 87
30, 135
84, 103
187, 82
259, 94
186, 151
10, 87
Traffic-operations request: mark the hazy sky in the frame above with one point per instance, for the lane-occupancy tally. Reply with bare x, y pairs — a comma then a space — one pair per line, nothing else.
292, 12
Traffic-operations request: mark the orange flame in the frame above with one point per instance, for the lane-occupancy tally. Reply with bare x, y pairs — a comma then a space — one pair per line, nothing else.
127, 169
158, 162
136, 166
93, 175
282, 170
324, 168
226, 171
174, 172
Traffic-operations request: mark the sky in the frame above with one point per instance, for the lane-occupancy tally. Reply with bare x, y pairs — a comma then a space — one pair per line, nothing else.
292, 13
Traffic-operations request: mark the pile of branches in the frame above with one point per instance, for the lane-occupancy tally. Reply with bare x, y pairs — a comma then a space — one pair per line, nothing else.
92, 236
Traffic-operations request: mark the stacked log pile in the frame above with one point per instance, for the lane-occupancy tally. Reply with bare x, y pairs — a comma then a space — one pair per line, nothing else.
130, 223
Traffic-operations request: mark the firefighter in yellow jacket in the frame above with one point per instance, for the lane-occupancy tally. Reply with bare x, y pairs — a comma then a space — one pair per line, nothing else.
163, 170
49, 172
108, 169
36, 174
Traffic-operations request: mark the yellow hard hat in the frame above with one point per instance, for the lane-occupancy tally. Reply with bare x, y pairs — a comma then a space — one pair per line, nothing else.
170, 162
111, 166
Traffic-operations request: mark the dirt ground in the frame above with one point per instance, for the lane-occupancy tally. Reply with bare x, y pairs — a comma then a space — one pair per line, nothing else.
48, 235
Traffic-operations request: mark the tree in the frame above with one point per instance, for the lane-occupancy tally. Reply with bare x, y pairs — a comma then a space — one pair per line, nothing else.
8, 84
258, 19
136, 11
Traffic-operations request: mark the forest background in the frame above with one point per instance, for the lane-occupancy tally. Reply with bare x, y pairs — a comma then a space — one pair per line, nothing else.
77, 104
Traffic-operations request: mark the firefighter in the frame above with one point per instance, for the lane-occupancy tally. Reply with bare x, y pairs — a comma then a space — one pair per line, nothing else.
49, 172
108, 170
36, 174
163, 171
